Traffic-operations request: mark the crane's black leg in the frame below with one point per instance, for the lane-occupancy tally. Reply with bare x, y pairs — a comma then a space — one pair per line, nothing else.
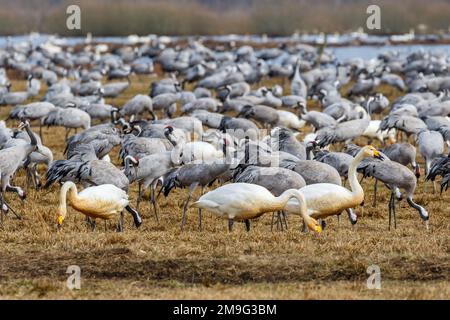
284, 218
1, 208
247, 225
191, 191
390, 210
37, 179
40, 131
375, 187
271, 224
29, 177
138, 202
304, 228
6, 206
91, 223
393, 209
278, 220
230, 225
339, 219
200, 210
120, 224
136, 217
153, 187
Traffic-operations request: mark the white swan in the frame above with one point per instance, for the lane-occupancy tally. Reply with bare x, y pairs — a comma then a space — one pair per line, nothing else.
326, 199
103, 202
244, 201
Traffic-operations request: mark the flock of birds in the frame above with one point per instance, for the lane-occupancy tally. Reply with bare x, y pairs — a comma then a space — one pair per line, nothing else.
228, 130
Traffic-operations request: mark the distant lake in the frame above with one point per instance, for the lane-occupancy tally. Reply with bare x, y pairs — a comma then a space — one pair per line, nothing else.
342, 53
369, 52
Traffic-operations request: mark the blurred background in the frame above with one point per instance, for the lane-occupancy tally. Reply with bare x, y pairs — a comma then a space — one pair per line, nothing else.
207, 17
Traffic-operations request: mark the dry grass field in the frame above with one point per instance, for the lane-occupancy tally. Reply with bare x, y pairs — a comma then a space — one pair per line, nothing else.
158, 261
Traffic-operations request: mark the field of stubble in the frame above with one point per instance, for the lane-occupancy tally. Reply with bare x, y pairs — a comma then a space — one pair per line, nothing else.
158, 261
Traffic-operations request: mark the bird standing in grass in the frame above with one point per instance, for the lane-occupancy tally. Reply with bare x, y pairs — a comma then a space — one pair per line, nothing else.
100, 202
245, 201
326, 199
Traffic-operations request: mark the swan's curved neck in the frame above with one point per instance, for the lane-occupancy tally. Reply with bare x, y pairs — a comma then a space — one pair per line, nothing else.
281, 201
352, 175
71, 188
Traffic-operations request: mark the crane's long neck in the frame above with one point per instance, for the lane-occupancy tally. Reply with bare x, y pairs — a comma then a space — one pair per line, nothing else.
297, 71
33, 140
352, 175
71, 188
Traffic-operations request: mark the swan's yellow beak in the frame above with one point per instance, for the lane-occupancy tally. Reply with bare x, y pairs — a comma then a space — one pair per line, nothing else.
314, 225
60, 220
318, 229
376, 153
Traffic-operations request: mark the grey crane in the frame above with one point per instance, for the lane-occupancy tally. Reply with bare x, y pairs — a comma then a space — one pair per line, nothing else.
13, 98
395, 176
98, 110
10, 160
239, 128
32, 111
114, 89
209, 119
298, 85
403, 153
344, 131
431, 146
445, 131
69, 118
193, 175
140, 147
43, 156
267, 116
318, 119
191, 125
338, 160
85, 167
435, 122
148, 170
166, 102
137, 106
209, 104
364, 86
283, 139
102, 138
441, 167
393, 80
408, 124
270, 99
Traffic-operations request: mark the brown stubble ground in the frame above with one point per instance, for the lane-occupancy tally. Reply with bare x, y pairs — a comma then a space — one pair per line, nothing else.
158, 261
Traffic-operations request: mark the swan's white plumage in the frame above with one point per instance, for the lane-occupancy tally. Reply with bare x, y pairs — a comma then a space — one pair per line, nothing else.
244, 201
105, 193
325, 199
322, 199
237, 200
103, 202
